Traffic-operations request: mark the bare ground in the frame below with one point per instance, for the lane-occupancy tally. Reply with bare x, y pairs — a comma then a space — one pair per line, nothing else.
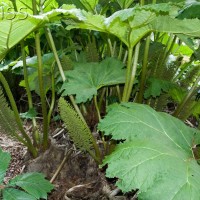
79, 178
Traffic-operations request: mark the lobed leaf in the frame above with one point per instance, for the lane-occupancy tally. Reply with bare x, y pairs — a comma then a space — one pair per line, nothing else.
158, 171
87, 78
136, 22
156, 87
33, 183
157, 155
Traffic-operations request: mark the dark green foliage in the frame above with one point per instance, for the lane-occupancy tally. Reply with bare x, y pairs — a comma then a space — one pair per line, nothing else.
190, 12
156, 87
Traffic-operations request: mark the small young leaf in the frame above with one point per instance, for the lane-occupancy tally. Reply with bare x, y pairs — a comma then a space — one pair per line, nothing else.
5, 159
33, 183
156, 86
30, 114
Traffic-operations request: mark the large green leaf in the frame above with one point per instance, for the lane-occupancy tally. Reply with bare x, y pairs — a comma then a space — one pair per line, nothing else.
133, 22
189, 27
87, 78
157, 155
5, 159
14, 27
33, 183
136, 22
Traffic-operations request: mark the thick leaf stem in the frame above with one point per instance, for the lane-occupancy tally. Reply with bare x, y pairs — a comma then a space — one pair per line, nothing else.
111, 47
42, 92
28, 143
182, 69
128, 74
168, 49
120, 51
132, 71
101, 98
41, 82
35, 135
144, 71
96, 106
97, 158
53, 95
185, 100
53, 47
112, 53
141, 2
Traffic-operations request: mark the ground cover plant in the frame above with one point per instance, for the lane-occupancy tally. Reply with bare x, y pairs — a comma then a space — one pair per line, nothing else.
26, 186
120, 65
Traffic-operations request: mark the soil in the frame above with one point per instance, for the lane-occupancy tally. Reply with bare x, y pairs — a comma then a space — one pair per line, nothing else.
79, 179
